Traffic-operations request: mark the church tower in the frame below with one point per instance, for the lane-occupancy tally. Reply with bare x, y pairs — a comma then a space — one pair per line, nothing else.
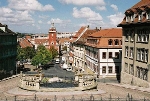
52, 36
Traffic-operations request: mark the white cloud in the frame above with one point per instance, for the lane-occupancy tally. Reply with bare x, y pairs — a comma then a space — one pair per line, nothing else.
58, 21
40, 22
31, 5
116, 18
101, 8
83, 2
114, 7
43, 16
86, 13
15, 17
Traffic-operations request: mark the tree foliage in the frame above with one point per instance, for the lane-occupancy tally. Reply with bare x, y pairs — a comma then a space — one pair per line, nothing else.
25, 53
54, 52
43, 56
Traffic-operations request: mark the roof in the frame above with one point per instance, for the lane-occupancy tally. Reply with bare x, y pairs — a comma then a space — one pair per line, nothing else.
25, 43
62, 40
113, 32
77, 35
139, 8
40, 41
8, 31
100, 38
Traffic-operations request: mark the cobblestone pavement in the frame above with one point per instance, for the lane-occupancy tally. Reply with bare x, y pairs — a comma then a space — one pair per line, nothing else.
114, 90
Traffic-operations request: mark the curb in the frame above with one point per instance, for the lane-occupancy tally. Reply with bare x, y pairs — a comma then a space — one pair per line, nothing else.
133, 88
8, 78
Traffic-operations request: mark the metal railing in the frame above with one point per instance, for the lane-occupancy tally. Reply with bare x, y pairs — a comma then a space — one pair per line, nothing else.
74, 98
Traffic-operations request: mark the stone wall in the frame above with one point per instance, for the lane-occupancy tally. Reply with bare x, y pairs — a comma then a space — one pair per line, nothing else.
132, 80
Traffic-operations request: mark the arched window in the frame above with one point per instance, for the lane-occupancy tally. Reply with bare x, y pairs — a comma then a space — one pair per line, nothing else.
116, 42
110, 42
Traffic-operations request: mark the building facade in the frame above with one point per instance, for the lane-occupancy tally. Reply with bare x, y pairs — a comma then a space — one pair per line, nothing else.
136, 42
103, 52
8, 51
78, 46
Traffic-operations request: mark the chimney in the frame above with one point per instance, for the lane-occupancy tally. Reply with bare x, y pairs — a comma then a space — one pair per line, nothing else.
100, 28
88, 26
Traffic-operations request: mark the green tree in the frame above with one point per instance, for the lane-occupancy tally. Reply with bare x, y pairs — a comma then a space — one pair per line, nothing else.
43, 56
29, 52
54, 52
20, 53
25, 53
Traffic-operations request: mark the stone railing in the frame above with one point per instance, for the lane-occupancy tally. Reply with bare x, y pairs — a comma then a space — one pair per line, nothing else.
86, 81
30, 81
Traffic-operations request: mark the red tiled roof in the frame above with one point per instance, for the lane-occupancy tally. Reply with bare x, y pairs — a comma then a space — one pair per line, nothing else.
62, 40
143, 5
114, 32
40, 41
79, 32
25, 43
103, 36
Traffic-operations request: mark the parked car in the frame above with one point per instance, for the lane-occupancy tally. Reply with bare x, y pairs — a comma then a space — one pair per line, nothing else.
57, 61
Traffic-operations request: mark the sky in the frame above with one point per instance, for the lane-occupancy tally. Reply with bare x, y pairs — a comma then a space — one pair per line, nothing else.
36, 16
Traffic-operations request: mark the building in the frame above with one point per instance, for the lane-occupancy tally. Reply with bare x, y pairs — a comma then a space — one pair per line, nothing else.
52, 37
8, 51
103, 52
65, 35
78, 48
136, 45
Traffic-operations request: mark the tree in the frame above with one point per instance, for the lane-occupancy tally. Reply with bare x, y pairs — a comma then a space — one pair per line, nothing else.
20, 53
54, 52
29, 52
25, 53
43, 56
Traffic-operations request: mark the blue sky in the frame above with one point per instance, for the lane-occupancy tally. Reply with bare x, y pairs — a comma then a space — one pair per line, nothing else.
36, 16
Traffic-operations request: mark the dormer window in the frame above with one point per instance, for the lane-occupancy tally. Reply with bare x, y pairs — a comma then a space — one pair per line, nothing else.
110, 42
148, 15
127, 20
140, 17
116, 42
132, 18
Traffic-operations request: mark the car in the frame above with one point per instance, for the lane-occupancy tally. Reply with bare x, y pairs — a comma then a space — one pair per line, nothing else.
57, 61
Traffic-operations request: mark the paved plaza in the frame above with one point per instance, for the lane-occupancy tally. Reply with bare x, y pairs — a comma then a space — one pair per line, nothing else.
9, 90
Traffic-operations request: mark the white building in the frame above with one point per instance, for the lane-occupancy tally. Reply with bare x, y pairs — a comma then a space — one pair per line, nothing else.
103, 52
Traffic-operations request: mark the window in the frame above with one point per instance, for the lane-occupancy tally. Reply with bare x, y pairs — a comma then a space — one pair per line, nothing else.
142, 54
109, 69
142, 36
110, 42
146, 55
104, 69
126, 51
117, 55
148, 15
116, 42
131, 52
110, 54
140, 17
104, 55
132, 36
138, 54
